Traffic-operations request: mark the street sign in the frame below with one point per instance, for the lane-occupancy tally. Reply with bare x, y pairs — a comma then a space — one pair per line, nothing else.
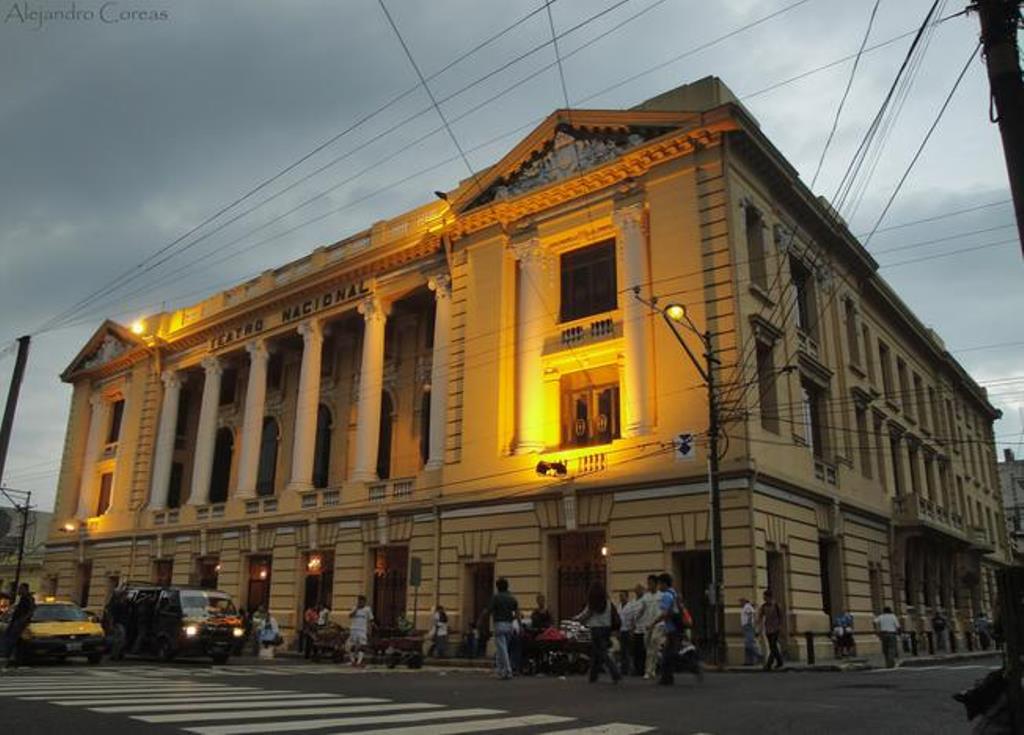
683, 444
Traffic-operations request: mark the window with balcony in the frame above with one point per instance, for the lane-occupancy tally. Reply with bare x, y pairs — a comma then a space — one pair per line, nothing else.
106, 488
768, 392
590, 407
755, 248
588, 281
915, 469
803, 284
116, 416
933, 403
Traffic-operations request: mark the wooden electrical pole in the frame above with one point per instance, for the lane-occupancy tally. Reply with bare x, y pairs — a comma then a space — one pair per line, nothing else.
12, 400
1000, 20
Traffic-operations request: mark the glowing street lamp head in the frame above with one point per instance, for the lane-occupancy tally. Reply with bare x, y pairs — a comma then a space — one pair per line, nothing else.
138, 326
676, 312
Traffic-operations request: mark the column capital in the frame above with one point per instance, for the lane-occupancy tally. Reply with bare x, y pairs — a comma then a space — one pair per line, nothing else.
172, 378
629, 217
257, 350
527, 251
311, 330
441, 285
373, 309
212, 365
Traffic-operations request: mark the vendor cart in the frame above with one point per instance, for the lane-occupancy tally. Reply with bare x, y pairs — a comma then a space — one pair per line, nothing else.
328, 641
556, 651
393, 647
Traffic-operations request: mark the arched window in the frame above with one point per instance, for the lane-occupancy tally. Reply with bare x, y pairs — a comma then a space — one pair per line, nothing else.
425, 427
322, 446
268, 457
222, 450
387, 410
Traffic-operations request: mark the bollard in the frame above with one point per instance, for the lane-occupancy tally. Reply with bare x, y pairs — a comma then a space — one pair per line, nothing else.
913, 643
930, 638
809, 635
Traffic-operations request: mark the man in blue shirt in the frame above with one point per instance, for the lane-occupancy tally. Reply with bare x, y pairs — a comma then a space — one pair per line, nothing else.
671, 619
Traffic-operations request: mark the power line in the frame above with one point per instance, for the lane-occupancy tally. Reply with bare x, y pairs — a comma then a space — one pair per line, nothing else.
944, 215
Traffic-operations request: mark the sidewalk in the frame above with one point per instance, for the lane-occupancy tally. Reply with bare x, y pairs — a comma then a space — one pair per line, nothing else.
864, 663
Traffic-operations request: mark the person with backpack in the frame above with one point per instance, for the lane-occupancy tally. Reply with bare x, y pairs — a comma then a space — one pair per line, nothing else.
770, 619
672, 619
601, 617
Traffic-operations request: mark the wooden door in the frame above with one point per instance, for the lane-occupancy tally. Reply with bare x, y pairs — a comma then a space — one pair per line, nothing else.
390, 570
579, 564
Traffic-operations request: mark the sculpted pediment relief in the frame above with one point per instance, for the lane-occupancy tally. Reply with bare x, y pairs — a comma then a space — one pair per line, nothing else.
110, 348
568, 153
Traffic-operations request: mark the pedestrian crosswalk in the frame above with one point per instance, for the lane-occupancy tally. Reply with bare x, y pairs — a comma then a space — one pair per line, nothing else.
219, 708
207, 671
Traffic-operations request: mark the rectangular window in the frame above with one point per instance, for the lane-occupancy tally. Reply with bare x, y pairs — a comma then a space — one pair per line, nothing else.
951, 426
864, 440
915, 469
851, 331
897, 464
922, 409
929, 485
275, 371
869, 358
755, 248
813, 408
767, 388
174, 487
590, 407
116, 415
588, 281
905, 397
106, 487
962, 505
228, 384
803, 283
880, 448
886, 362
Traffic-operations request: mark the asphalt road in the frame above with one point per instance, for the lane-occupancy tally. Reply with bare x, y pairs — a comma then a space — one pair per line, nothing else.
309, 698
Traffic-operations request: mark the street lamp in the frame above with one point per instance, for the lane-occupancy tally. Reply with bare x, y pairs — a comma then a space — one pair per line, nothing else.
676, 314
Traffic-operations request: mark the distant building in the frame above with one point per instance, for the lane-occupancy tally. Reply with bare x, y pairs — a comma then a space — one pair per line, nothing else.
471, 390
10, 539
1011, 479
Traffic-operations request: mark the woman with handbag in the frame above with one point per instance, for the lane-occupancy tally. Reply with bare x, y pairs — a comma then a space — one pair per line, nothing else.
600, 616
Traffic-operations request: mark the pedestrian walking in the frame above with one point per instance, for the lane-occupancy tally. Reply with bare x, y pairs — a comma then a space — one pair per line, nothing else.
439, 633
270, 635
633, 639
842, 632
654, 632
360, 621
888, 627
625, 631
19, 616
599, 616
671, 620
752, 655
309, 620
983, 629
939, 626
255, 625
503, 609
770, 621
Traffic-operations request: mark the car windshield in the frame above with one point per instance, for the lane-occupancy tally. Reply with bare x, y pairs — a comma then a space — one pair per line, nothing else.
205, 604
59, 613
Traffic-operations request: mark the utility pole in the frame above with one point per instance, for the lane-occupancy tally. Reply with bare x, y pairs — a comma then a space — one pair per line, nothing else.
1000, 20
21, 542
721, 650
12, 400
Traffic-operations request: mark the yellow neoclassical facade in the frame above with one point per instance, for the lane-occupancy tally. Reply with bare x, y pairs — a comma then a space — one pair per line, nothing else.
480, 388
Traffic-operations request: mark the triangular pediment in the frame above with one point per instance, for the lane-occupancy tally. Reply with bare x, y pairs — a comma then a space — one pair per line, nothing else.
107, 343
567, 143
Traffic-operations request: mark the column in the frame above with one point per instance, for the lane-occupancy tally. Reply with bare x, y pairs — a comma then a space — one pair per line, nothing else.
206, 433
531, 319
163, 455
252, 419
371, 382
441, 286
306, 404
98, 420
635, 323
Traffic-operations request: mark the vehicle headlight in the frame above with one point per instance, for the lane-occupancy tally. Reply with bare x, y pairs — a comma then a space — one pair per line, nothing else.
238, 632
191, 630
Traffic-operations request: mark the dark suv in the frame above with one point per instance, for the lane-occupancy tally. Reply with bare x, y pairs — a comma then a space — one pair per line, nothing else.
173, 621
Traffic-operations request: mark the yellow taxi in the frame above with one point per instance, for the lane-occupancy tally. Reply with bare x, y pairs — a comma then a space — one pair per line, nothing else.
59, 629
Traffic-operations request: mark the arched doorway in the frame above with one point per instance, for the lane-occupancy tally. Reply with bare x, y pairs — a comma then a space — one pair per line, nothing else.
223, 448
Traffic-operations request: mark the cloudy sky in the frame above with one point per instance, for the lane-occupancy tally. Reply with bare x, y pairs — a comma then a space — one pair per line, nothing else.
120, 133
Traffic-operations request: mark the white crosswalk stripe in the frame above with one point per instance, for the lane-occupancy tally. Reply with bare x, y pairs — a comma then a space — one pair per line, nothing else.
211, 708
